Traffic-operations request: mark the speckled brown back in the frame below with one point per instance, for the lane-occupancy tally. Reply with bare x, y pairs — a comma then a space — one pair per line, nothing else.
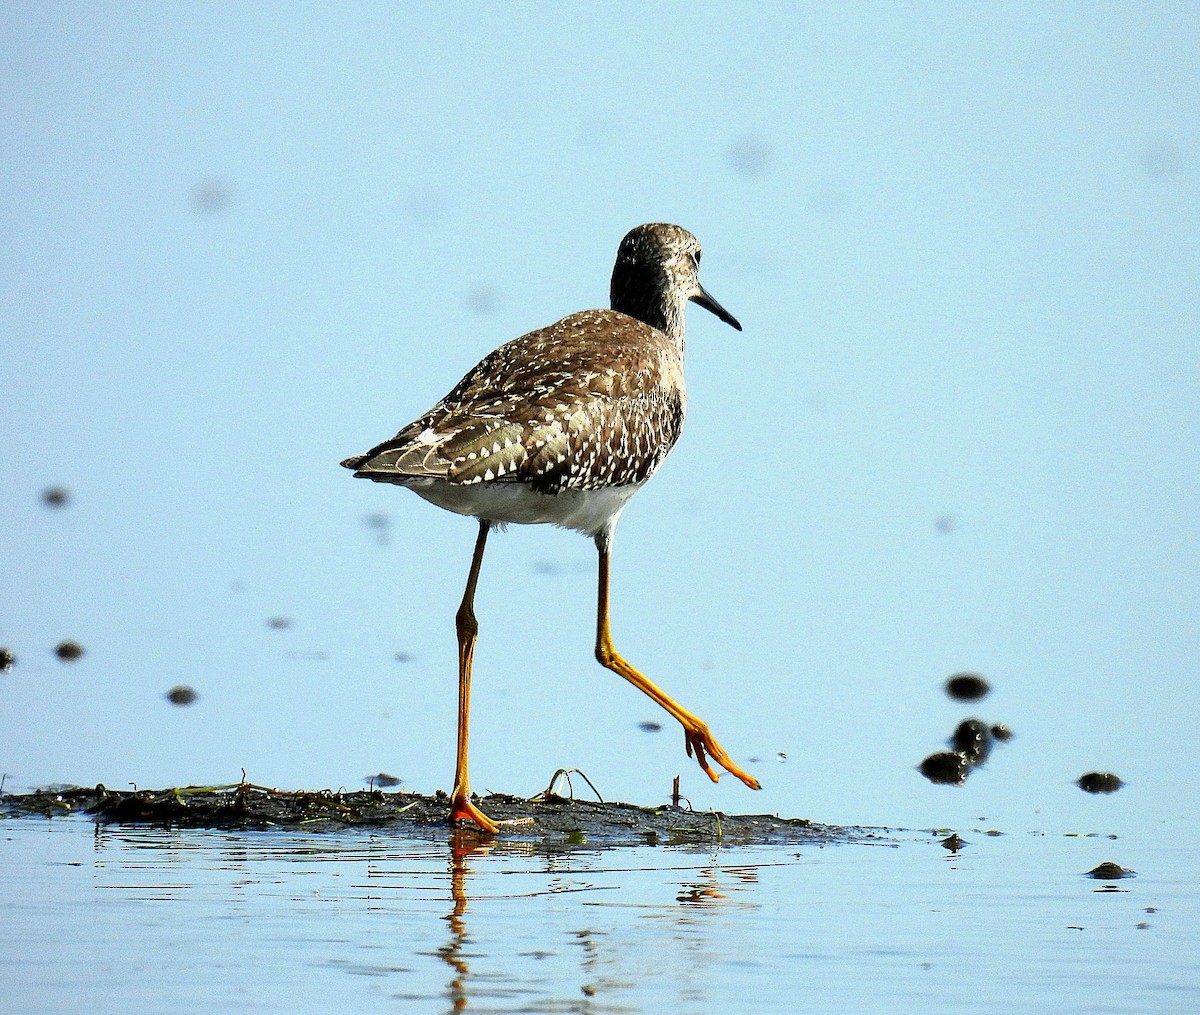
594, 400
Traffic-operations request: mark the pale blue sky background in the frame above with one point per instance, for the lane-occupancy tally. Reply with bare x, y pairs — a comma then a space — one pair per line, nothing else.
241, 244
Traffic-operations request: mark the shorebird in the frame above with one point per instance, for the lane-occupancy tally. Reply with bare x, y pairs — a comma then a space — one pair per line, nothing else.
562, 426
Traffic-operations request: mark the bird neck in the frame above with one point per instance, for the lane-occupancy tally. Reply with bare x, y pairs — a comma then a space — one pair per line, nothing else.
657, 305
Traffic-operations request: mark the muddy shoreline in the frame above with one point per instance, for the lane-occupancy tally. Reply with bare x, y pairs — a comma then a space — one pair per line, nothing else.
551, 819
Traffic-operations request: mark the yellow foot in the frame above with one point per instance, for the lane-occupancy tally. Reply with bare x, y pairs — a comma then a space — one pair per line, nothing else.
461, 809
699, 740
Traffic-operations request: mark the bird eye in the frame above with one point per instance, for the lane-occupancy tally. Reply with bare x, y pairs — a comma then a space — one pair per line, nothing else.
696, 257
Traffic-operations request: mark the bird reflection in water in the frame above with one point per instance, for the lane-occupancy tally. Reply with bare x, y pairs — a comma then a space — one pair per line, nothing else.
711, 888
464, 843
709, 892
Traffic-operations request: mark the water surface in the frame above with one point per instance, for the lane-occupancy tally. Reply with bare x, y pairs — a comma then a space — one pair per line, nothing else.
151, 920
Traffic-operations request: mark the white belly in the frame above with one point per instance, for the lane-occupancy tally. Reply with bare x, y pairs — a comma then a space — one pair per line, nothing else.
586, 511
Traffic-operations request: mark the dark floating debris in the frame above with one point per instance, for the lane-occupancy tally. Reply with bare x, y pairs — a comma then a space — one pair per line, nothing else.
68, 651
946, 768
649, 726
403, 657
56, 496
1099, 782
945, 524
6, 660
953, 842
973, 740
967, 687
382, 780
279, 623
1109, 871
181, 695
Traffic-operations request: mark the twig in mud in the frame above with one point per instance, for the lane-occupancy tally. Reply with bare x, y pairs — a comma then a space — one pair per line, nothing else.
548, 795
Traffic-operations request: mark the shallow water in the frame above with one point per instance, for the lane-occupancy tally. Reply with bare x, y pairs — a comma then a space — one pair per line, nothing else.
957, 434
151, 920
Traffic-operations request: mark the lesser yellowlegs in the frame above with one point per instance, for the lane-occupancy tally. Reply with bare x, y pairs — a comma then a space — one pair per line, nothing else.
564, 425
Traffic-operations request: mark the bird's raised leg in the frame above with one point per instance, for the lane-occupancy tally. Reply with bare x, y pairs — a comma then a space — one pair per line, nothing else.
695, 731
461, 807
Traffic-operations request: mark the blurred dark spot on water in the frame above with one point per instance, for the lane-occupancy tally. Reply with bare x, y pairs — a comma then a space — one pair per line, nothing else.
967, 687
649, 726
6, 660
403, 657
68, 651
1002, 733
181, 695
755, 761
555, 568
1162, 158
279, 623
211, 197
383, 780
1099, 782
56, 496
311, 655
1109, 871
380, 524
425, 209
972, 738
828, 201
750, 156
946, 768
954, 842
483, 302
945, 524
781, 757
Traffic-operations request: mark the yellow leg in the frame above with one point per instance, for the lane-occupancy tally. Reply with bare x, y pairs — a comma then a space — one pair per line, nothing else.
461, 807
697, 738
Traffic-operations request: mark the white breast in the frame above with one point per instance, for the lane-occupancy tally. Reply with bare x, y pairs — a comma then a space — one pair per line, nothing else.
586, 511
